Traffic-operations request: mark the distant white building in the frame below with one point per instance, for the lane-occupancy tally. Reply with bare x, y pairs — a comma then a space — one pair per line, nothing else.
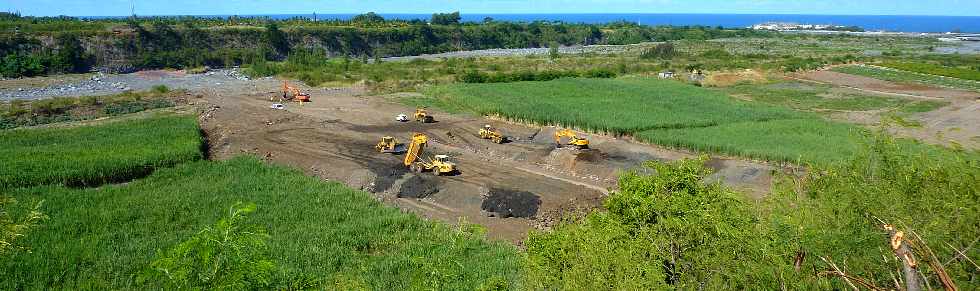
969, 37
791, 26
667, 75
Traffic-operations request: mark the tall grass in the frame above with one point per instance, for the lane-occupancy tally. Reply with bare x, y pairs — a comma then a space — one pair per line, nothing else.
809, 97
807, 140
618, 106
934, 69
96, 154
662, 112
321, 235
909, 77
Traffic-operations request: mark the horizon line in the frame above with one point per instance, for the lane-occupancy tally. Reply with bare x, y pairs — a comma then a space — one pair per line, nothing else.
504, 13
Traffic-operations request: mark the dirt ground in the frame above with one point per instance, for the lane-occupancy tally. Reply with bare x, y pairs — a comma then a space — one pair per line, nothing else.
955, 124
509, 188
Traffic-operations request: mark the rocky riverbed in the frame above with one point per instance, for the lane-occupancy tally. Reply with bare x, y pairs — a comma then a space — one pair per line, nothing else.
106, 84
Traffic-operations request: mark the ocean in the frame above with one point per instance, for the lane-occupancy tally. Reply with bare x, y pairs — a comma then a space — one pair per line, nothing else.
897, 23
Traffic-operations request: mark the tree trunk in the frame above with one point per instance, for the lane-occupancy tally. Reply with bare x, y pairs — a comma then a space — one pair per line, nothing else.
904, 254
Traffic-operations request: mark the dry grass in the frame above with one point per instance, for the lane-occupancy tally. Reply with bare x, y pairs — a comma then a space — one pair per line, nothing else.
731, 78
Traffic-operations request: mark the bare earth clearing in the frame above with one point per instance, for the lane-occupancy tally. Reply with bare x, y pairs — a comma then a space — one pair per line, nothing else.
955, 123
508, 188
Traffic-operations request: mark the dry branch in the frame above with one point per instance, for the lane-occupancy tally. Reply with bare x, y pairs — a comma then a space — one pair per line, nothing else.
849, 278
838, 272
933, 262
904, 253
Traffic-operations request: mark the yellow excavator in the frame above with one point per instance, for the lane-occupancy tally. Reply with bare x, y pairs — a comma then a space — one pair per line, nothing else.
494, 135
389, 145
421, 115
573, 139
439, 164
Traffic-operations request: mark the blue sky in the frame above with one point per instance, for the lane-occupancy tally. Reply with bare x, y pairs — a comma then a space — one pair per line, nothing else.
244, 7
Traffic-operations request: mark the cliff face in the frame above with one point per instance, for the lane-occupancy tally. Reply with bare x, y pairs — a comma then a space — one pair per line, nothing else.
132, 49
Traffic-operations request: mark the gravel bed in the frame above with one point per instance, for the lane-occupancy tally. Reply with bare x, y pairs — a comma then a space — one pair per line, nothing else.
107, 84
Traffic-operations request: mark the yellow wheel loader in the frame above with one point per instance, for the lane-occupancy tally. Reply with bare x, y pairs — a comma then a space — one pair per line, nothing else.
573, 140
421, 115
492, 134
439, 164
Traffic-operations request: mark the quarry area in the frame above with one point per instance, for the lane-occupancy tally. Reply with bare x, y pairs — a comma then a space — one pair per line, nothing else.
509, 188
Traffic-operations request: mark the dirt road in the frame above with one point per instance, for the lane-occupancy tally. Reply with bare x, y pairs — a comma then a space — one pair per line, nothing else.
509, 188
952, 124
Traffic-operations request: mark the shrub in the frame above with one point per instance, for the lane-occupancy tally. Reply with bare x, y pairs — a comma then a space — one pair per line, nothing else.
668, 230
796, 64
162, 89
599, 73
230, 254
837, 211
472, 77
553, 52
664, 51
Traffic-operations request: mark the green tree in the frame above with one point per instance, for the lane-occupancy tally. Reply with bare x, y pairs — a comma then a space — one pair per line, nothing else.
369, 17
229, 255
71, 56
276, 39
446, 18
10, 66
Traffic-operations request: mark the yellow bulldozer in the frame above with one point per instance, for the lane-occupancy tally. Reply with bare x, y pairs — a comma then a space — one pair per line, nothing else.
421, 115
389, 145
573, 139
438, 164
494, 135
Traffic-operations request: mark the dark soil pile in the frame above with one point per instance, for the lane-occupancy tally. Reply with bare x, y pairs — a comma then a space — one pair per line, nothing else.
511, 203
418, 187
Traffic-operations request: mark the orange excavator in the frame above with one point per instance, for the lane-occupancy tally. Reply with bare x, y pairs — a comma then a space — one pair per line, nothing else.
290, 93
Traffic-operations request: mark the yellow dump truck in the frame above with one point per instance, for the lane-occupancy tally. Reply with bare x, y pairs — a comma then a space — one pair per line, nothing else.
439, 164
